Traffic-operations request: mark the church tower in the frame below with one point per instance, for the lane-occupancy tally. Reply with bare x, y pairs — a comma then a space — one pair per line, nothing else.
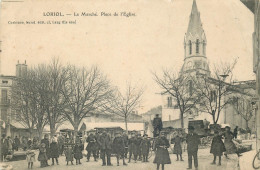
195, 60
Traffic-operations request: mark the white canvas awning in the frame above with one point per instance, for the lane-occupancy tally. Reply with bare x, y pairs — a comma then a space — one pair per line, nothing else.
130, 126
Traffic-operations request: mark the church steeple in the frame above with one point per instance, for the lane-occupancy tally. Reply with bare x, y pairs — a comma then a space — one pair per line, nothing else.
195, 25
195, 44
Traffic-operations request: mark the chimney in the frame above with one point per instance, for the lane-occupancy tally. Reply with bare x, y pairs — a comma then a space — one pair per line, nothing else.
24, 69
18, 69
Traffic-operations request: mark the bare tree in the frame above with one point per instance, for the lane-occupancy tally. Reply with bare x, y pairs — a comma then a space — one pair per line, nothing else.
50, 80
22, 102
25, 101
124, 104
181, 88
85, 92
40, 87
213, 90
243, 107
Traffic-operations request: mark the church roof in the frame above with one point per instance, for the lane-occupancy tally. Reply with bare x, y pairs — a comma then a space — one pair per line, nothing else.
195, 25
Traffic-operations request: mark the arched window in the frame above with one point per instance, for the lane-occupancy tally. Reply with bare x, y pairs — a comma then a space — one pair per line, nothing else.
190, 45
197, 46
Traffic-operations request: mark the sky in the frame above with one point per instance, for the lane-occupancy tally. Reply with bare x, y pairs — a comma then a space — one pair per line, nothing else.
126, 49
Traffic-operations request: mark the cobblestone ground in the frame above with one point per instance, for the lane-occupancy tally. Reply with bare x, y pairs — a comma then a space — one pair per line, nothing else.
205, 158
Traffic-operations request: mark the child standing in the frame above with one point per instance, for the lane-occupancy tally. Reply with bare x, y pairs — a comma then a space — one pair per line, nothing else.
217, 147
177, 146
78, 152
30, 157
54, 151
42, 157
69, 154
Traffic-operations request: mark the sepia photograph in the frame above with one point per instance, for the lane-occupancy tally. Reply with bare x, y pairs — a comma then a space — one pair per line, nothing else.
130, 84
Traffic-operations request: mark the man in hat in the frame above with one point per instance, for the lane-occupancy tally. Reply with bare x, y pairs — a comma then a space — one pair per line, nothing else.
139, 151
162, 156
157, 125
125, 137
97, 136
105, 144
193, 142
16, 143
133, 147
119, 147
145, 147
91, 147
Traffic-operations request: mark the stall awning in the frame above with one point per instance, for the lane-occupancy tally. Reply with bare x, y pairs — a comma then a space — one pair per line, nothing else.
18, 125
130, 126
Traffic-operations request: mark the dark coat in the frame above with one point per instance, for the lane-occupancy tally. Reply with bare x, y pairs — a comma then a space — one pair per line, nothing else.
4, 146
92, 143
78, 151
157, 123
193, 142
217, 146
69, 154
42, 154
133, 145
54, 150
61, 140
125, 138
229, 144
47, 146
162, 154
17, 142
119, 146
97, 136
105, 142
177, 145
145, 146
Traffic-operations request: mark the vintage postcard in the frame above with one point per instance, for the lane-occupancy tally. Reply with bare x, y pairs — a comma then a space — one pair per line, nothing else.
129, 84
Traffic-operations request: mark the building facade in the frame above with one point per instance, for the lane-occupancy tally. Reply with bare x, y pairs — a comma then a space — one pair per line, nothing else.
8, 115
254, 6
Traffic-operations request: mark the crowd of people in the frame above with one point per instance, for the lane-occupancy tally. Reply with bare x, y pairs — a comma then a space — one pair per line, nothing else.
9, 145
134, 148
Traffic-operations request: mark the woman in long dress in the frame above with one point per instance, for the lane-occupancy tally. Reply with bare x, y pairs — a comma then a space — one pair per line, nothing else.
162, 155
42, 157
229, 144
217, 147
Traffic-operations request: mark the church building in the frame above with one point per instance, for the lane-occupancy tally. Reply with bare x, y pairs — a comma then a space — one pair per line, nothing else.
196, 63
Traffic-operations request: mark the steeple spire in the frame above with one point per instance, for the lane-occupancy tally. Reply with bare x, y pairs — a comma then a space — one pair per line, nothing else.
195, 42
195, 25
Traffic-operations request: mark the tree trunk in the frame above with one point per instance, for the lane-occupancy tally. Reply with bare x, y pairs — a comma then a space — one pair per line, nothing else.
40, 134
247, 124
213, 117
182, 121
30, 132
76, 126
126, 129
52, 129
